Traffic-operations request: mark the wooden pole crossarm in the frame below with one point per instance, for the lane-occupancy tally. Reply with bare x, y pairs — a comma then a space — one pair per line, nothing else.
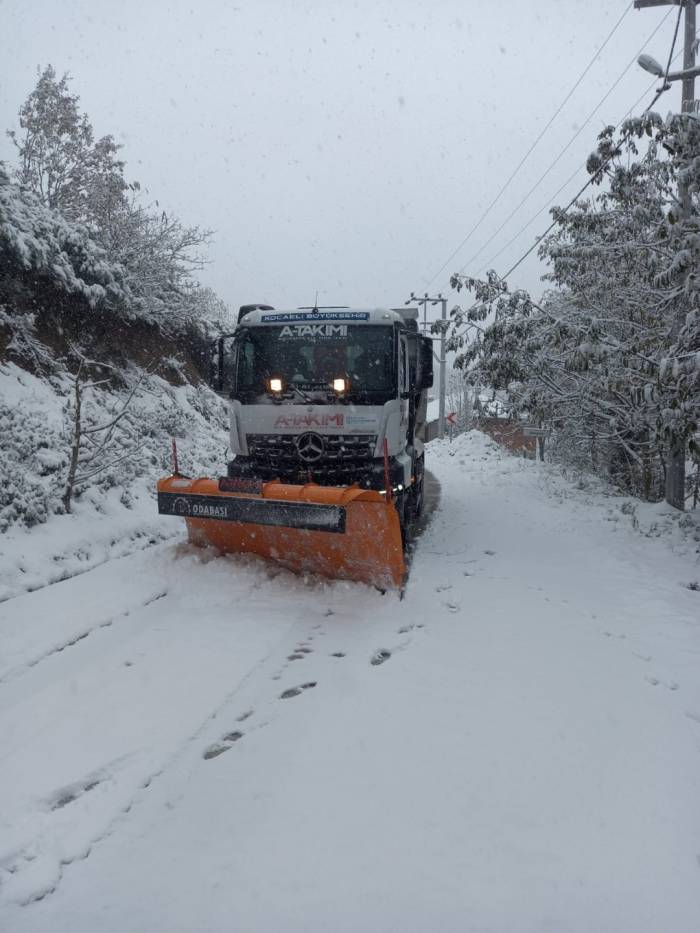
643, 4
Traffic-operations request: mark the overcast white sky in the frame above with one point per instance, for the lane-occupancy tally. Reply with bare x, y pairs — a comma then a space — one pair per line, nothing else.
336, 146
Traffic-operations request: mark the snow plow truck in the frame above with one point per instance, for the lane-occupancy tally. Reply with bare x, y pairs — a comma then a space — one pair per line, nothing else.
327, 423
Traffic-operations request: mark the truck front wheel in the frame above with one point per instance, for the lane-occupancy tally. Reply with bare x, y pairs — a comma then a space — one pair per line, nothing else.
417, 489
406, 504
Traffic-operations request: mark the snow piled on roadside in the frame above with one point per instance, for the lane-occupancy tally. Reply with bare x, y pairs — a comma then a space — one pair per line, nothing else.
603, 502
115, 513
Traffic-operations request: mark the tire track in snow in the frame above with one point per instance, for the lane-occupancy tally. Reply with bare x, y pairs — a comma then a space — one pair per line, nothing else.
19, 670
76, 795
136, 546
183, 750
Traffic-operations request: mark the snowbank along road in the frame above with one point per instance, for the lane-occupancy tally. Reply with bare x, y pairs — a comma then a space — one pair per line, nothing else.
199, 743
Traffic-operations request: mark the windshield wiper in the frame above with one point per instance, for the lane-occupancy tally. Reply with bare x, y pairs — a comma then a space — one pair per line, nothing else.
303, 394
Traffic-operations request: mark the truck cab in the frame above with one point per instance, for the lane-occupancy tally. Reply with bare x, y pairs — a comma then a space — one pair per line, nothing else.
333, 396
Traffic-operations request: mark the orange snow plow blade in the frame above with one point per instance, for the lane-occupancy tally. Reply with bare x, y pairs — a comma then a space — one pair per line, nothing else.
340, 532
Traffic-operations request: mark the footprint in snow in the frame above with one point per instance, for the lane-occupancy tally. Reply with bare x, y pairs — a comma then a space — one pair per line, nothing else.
338, 654
72, 793
214, 751
234, 736
380, 657
218, 748
654, 681
295, 691
300, 652
490, 553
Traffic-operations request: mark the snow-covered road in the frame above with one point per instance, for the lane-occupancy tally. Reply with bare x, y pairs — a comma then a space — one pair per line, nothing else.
199, 744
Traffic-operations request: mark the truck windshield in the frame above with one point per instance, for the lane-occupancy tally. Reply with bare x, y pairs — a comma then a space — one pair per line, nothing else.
308, 357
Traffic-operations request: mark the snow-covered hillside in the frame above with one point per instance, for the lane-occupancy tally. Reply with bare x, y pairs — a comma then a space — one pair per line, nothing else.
113, 513
104, 338
200, 743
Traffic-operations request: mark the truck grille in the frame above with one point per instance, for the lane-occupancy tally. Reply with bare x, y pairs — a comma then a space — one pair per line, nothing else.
346, 459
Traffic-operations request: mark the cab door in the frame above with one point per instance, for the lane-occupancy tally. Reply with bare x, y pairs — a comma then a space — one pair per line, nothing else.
404, 380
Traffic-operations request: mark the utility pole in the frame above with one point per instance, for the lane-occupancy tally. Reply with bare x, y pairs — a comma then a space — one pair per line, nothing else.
688, 100
425, 300
675, 463
443, 380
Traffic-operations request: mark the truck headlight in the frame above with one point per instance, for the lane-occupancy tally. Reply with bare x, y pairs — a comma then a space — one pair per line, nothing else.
340, 385
275, 384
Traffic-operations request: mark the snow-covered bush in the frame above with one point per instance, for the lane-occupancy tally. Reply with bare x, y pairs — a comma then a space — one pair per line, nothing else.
32, 463
37, 426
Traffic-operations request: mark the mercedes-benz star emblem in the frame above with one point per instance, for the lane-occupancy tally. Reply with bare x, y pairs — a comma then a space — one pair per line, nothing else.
310, 447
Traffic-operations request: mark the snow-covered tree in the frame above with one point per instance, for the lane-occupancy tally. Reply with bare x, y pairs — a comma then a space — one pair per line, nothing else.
161, 256
609, 357
459, 398
40, 248
100, 303
82, 180
61, 161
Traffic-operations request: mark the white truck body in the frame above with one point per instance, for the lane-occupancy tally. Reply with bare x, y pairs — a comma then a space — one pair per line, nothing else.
306, 431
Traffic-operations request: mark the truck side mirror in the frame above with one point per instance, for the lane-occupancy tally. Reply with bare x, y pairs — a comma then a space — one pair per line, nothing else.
216, 365
425, 378
221, 356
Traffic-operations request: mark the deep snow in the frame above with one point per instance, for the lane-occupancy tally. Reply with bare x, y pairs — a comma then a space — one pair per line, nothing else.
514, 746
113, 513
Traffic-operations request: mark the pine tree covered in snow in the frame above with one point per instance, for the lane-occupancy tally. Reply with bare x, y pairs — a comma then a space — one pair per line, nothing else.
81, 180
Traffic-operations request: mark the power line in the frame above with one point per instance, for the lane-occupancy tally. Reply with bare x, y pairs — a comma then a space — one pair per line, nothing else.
664, 84
593, 177
532, 147
571, 177
534, 217
566, 147
538, 239
642, 96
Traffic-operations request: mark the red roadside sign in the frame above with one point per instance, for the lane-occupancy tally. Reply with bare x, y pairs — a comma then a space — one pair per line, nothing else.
451, 418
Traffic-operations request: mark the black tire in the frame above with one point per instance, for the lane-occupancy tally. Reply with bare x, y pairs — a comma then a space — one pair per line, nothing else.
418, 489
404, 509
